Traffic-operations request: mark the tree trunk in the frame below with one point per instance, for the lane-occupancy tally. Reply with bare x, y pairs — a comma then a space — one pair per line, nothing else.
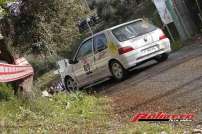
24, 89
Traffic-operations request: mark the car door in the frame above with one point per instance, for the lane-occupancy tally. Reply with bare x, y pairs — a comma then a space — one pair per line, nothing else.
84, 69
102, 56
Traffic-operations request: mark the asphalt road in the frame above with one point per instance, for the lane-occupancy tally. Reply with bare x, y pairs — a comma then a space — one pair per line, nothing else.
173, 86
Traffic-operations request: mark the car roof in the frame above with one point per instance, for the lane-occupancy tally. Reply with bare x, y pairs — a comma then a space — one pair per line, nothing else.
104, 31
112, 28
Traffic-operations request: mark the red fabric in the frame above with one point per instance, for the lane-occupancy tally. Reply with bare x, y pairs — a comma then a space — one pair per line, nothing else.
9, 72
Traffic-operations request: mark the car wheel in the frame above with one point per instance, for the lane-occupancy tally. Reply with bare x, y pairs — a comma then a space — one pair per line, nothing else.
117, 71
70, 85
162, 57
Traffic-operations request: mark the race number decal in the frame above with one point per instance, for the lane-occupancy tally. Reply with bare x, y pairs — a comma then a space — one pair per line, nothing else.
86, 67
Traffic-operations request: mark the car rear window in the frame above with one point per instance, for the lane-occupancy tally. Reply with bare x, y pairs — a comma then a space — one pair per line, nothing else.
133, 30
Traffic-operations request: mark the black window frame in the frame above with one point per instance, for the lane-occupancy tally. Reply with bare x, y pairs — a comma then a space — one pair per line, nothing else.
95, 45
78, 50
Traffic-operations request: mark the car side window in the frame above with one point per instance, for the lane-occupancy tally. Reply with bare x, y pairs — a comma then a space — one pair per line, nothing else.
85, 49
100, 42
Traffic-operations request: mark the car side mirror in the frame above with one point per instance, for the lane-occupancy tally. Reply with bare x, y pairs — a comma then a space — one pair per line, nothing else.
73, 61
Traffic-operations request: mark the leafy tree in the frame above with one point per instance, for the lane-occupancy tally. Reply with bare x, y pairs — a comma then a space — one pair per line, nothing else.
50, 24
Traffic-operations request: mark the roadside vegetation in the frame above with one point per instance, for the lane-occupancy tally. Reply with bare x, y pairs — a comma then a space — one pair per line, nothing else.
176, 45
41, 29
67, 113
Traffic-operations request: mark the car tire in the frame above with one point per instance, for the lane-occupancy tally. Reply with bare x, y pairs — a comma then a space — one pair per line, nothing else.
162, 57
118, 72
70, 85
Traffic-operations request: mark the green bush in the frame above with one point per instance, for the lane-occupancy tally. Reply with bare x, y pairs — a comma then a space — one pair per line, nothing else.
176, 45
52, 23
5, 92
41, 66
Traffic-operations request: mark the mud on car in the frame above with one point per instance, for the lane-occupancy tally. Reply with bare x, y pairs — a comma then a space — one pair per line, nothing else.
112, 52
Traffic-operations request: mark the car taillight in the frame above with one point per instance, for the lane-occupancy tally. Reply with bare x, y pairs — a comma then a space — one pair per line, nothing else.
124, 50
162, 37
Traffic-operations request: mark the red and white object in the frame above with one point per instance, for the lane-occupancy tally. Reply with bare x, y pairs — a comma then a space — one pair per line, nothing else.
21, 61
21, 70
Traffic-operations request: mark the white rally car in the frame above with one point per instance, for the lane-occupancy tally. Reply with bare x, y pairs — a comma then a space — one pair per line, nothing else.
114, 51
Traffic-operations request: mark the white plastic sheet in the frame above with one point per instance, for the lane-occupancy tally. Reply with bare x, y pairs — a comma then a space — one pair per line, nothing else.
163, 11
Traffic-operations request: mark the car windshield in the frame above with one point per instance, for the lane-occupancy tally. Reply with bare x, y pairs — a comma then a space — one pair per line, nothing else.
133, 30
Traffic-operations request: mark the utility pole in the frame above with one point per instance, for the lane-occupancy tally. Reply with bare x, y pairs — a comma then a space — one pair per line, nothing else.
86, 5
91, 31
